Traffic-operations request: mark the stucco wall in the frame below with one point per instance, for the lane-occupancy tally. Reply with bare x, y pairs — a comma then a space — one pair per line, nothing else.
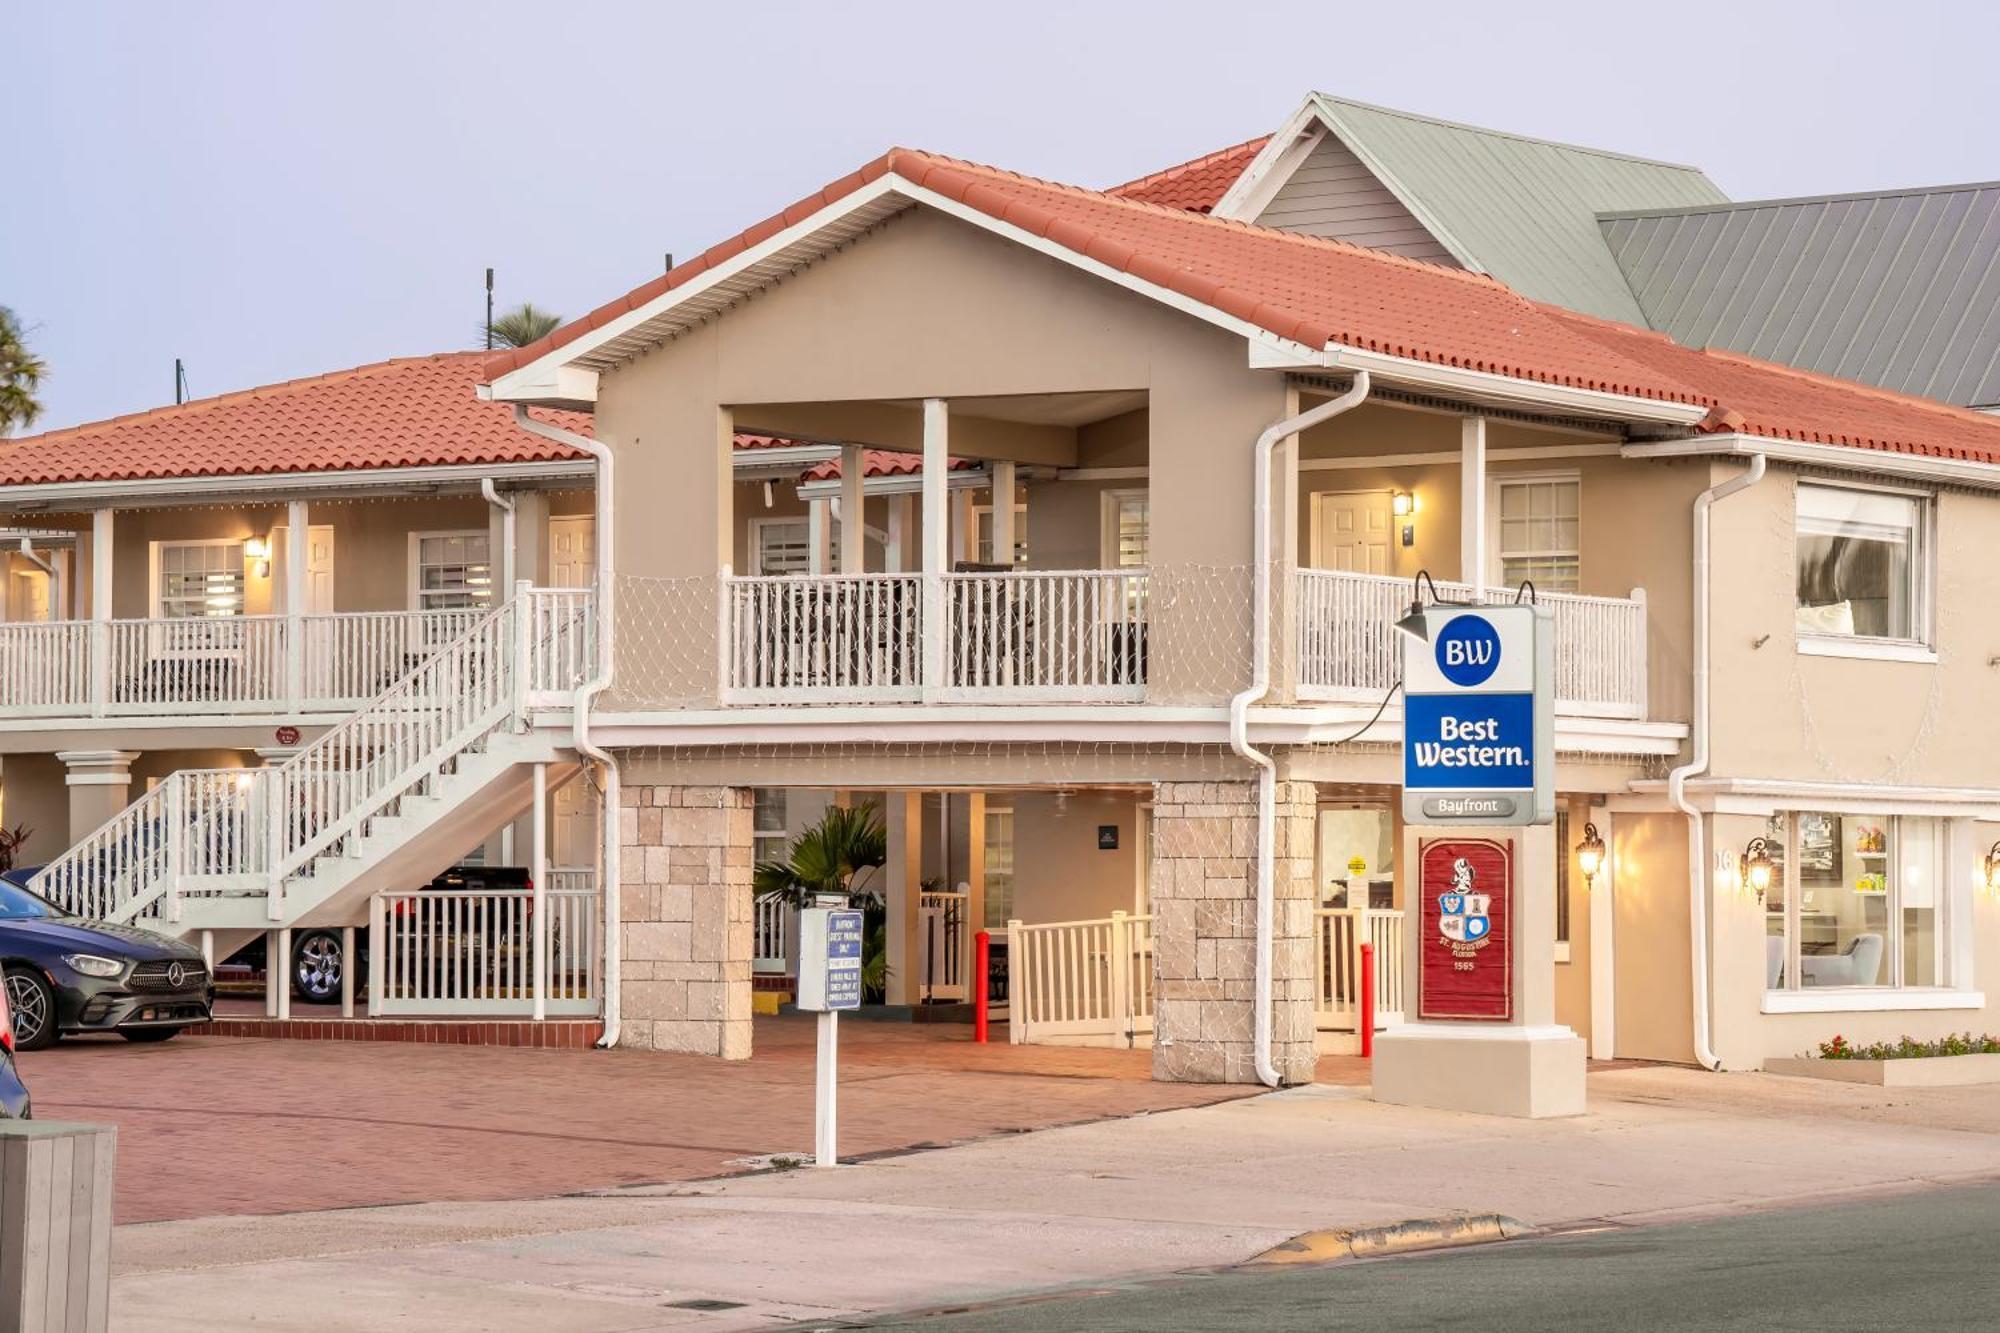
1653, 995
1060, 874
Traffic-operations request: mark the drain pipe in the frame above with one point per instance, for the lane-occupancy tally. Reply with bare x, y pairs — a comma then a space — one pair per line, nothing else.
1704, 1041
57, 592
587, 692
1260, 685
505, 504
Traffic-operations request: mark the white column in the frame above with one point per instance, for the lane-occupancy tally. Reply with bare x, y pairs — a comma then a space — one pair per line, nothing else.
101, 533
538, 875
1002, 473
818, 538
347, 957
298, 551
937, 529
1472, 505
853, 510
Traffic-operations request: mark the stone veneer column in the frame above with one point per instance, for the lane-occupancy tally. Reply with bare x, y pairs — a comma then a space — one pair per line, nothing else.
1204, 889
685, 940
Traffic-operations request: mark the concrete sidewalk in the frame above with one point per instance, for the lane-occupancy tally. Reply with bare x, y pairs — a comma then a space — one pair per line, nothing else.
1089, 1203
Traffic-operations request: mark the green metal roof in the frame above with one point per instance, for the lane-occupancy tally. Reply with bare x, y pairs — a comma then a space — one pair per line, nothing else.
1524, 210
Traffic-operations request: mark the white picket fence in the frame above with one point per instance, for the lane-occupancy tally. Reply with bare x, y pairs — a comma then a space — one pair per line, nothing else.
473, 952
1338, 934
769, 924
1080, 983
1091, 982
245, 831
1348, 649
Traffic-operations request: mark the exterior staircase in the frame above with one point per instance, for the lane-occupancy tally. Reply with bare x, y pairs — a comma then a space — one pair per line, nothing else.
386, 798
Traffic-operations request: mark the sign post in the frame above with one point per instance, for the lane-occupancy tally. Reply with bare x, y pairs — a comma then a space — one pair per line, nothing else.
829, 981
1478, 805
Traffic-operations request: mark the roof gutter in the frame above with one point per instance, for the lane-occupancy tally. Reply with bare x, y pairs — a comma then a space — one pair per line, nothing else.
586, 693
1704, 1040
1483, 385
144, 491
1846, 457
1260, 685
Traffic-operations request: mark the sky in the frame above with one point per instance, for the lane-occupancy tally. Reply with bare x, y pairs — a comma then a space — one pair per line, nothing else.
276, 190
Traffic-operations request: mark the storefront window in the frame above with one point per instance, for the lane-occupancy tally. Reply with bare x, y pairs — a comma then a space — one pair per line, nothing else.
1856, 901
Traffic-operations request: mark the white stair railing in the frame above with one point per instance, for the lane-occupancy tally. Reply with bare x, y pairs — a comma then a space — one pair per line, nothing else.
1082, 982
245, 831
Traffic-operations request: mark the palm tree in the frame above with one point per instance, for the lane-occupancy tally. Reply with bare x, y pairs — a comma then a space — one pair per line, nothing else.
833, 856
524, 324
20, 375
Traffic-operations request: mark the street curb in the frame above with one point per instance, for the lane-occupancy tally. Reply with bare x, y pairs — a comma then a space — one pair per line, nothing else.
1416, 1233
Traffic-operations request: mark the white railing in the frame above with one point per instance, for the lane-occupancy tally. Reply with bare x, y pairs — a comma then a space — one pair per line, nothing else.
1349, 650
352, 656
771, 916
232, 665
245, 831
944, 944
457, 952
203, 664
1338, 934
851, 638
572, 879
1047, 635
1081, 982
45, 668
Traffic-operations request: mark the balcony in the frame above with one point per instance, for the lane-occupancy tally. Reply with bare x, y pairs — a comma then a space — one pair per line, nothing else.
1056, 636
240, 666
1349, 652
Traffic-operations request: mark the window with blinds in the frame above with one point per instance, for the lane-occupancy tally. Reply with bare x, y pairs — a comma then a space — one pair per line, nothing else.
1540, 540
200, 579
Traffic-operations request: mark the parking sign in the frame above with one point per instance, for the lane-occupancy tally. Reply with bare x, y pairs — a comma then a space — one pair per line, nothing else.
829, 959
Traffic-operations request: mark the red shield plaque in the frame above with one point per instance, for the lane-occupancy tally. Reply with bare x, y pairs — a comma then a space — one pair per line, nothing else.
1465, 957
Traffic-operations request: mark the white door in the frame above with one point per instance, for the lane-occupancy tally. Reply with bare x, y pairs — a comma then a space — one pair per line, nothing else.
573, 551
1351, 531
319, 568
31, 595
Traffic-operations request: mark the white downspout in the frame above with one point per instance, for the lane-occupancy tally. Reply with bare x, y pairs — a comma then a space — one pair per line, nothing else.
587, 692
1704, 1042
1260, 684
505, 504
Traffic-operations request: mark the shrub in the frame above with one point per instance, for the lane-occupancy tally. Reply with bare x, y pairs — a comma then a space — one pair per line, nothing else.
1909, 1048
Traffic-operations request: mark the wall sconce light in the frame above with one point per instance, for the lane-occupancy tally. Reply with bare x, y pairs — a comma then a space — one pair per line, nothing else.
257, 550
1590, 854
1757, 867
1405, 506
1989, 871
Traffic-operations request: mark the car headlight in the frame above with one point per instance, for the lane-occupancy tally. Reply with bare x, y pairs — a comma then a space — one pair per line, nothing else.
92, 966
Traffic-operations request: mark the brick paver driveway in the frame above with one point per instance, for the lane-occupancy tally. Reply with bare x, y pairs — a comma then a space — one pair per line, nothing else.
227, 1125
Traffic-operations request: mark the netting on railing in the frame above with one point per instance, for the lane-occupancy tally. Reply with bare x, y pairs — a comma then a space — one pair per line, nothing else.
664, 648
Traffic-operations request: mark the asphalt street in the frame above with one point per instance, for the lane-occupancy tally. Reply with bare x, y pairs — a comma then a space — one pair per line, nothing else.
1915, 1261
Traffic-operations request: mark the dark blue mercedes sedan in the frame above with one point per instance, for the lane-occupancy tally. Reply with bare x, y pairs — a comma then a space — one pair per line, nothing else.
66, 975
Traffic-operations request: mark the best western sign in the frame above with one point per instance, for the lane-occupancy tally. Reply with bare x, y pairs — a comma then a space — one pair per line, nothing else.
1478, 731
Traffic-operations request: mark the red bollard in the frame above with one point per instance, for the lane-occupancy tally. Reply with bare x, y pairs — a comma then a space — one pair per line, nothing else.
1367, 1001
982, 954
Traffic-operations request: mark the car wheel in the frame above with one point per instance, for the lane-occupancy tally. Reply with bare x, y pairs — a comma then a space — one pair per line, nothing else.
317, 966
33, 1004
148, 1034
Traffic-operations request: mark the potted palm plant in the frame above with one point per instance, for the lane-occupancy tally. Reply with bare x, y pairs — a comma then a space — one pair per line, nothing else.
841, 856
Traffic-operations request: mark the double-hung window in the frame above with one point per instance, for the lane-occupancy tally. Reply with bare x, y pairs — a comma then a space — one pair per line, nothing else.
1127, 529
1858, 902
1862, 565
198, 579
780, 546
451, 571
1539, 531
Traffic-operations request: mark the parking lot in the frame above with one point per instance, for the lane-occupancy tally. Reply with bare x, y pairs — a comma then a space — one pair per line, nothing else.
211, 1125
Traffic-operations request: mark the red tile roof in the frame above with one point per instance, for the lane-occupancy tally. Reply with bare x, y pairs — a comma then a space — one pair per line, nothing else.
1195, 186
883, 463
412, 412
1322, 292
